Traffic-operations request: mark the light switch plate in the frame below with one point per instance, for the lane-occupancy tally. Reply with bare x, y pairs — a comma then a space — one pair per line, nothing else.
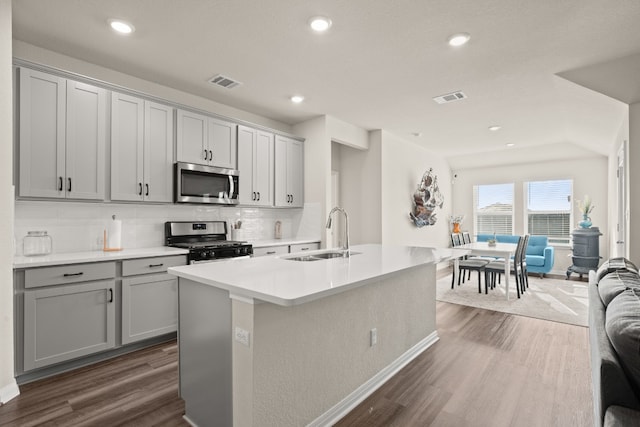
242, 336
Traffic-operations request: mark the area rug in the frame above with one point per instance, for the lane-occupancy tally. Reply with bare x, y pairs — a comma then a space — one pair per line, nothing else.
547, 298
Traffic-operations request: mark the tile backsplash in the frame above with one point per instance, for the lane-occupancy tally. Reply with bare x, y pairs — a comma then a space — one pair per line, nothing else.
78, 226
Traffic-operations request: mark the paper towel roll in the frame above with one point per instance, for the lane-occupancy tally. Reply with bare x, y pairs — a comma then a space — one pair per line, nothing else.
114, 234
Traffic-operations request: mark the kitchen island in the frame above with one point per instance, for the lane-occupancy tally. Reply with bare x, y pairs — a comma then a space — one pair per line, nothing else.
274, 341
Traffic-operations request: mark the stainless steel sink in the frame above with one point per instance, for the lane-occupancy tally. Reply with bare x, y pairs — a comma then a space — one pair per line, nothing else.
321, 255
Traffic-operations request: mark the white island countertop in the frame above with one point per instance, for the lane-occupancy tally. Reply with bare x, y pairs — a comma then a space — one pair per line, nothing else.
285, 282
94, 256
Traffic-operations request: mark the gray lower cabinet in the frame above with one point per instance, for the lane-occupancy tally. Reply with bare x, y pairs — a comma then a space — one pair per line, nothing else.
66, 322
149, 307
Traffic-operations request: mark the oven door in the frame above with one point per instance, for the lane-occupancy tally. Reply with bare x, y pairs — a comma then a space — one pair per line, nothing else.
205, 184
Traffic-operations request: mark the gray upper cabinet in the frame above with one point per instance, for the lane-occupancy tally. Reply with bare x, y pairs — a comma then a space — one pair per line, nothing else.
62, 136
206, 141
256, 166
141, 150
222, 143
289, 178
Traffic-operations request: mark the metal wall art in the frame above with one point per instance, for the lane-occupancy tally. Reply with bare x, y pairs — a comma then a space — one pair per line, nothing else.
426, 199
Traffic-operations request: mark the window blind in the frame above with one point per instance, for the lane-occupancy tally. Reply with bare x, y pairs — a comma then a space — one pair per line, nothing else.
493, 209
549, 209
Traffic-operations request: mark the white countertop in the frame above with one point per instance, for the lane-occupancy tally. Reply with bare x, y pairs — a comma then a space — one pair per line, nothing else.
284, 282
93, 256
281, 242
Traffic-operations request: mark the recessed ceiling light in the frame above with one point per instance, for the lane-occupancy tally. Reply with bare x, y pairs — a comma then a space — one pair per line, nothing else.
121, 27
297, 99
320, 23
417, 134
510, 144
459, 39
494, 128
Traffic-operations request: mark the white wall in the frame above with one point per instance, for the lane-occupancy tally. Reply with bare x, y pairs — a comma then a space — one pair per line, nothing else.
77, 226
317, 165
360, 191
590, 176
38, 55
347, 134
403, 164
8, 387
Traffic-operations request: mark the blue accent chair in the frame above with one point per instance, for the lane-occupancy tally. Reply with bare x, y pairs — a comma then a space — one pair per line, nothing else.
539, 254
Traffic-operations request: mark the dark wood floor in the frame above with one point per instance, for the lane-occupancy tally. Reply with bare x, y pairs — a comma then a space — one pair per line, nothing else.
488, 369
137, 389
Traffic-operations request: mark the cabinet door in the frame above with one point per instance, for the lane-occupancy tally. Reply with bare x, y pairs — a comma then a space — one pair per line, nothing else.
127, 127
42, 134
281, 192
158, 152
192, 138
66, 322
222, 143
263, 175
86, 134
295, 173
246, 136
149, 307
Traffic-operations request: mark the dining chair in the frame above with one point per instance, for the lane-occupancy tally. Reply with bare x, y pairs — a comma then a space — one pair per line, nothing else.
467, 265
495, 268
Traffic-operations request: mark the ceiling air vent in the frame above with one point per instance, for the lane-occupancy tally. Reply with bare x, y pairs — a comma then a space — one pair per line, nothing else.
450, 97
224, 81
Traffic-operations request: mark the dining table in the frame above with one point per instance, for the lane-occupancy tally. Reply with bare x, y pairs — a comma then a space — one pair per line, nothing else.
497, 250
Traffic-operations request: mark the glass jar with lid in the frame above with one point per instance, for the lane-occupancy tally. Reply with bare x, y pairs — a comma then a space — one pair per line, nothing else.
37, 243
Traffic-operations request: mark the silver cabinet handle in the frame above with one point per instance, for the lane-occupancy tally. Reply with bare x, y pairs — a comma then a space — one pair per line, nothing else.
60, 187
205, 154
147, 189
210, 155
139, 189
258, 196
156, 265
271, 252
69, 188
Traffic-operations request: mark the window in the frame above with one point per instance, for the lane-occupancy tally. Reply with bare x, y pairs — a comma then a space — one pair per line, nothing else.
493, 209
549, 209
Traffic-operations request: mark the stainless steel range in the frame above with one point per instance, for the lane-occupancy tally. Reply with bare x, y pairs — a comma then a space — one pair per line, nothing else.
206, 241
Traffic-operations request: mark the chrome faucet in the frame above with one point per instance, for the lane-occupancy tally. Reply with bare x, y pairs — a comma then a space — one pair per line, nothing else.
345, 246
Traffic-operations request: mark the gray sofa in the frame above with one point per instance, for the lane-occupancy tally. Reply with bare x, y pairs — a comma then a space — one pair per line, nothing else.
614, 337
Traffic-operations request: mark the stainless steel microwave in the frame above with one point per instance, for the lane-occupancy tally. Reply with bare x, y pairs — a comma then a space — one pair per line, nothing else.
205, 184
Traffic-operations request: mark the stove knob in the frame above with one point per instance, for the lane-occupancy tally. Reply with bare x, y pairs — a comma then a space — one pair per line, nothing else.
238, 251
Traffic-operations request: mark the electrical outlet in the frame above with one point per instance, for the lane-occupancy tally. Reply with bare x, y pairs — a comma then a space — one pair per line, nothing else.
242, 336
373, 336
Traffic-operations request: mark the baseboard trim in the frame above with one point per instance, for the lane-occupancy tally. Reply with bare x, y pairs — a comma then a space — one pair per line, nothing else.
9, 391
346, 405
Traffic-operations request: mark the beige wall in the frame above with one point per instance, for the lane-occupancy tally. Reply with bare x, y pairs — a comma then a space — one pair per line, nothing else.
621, 139
7, 382
590, 176
634, 179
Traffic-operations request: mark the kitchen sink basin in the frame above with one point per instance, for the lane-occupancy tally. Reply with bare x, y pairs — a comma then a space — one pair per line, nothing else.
320, 256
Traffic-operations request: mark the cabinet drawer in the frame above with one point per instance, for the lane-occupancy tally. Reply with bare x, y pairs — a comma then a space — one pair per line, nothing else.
271, 250
304, 247
72, 273
151, 265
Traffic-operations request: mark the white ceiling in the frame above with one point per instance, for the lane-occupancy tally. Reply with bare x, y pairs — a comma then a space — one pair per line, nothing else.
380, 64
